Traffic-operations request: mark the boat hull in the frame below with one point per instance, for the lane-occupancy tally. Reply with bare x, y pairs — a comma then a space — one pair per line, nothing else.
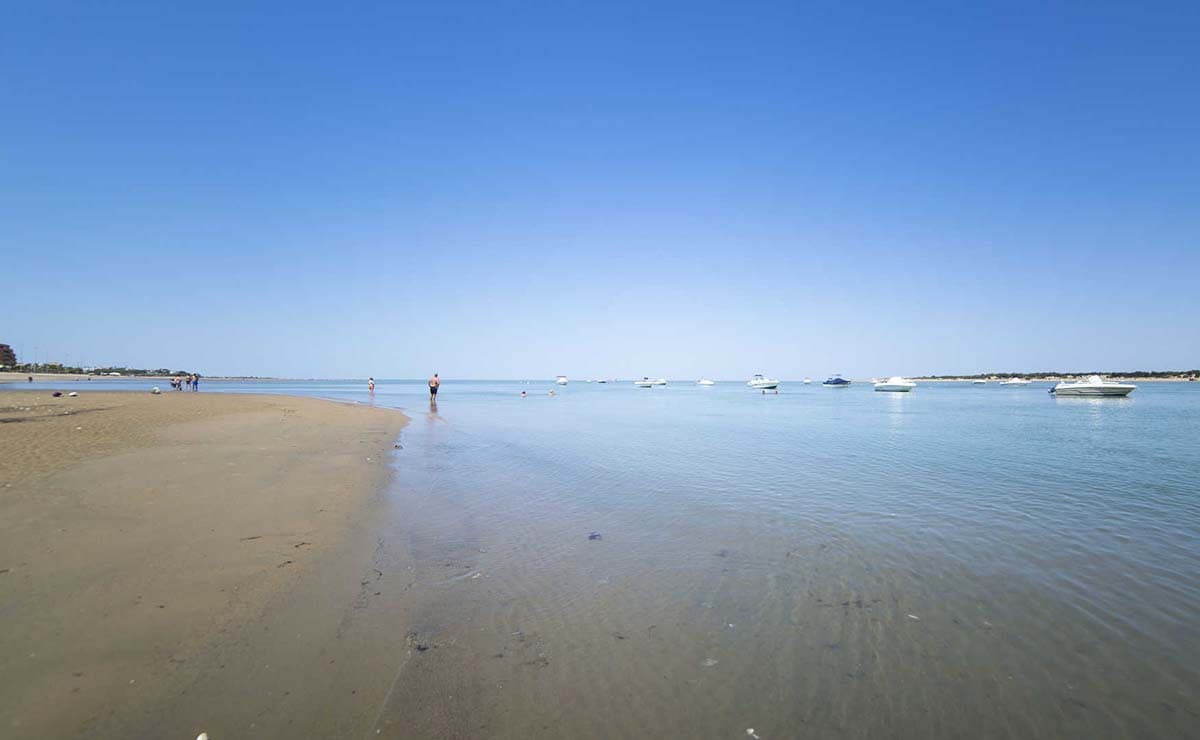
763, 386
889, 388
1106, 391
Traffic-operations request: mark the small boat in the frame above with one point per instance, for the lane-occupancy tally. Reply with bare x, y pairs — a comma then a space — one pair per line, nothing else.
758, 382
1094, 385
561, 380
705, 382
895, 384
601, 381
649, 382
979, 381
808, 381
1015, 381
837, 381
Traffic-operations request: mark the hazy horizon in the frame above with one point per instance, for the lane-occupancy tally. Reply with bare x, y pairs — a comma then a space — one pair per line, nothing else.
612, 190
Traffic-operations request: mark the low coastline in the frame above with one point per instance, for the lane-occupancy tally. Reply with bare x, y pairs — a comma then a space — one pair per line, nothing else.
12, 377
146, 540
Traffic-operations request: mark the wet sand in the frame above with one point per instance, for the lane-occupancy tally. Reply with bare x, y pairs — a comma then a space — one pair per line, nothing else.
190, 562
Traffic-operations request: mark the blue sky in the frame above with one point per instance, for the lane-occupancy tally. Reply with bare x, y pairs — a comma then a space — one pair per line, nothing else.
601, 189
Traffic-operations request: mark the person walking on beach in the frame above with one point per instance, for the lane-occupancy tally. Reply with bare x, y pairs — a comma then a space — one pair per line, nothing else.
196, 382
433, 386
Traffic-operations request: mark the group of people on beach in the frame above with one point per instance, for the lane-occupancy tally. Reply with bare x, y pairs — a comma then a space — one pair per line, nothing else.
186, 382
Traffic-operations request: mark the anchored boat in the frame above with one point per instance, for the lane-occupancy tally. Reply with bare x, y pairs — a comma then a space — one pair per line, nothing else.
1094, 385
758, 382
895, 384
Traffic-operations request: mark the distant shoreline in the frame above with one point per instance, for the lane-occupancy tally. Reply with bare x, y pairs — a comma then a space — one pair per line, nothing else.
1182, 378
1158, 377
11, 377
1051, 379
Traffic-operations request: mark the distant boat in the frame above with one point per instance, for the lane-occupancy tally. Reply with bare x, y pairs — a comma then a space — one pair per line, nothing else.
561, 380
649, 382
601, 381
1094, 385
895, 384
758, 382
837, 381
979, 381
1015, 381
808, 381
705, 381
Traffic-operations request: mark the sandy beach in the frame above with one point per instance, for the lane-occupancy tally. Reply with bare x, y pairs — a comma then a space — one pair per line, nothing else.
148, 543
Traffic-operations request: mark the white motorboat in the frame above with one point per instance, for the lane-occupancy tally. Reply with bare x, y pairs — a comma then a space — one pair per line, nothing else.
1015, 381
705, 382
979, 381
561, 380
649, 382
808, 381
895, 384
1094, 385
758, 382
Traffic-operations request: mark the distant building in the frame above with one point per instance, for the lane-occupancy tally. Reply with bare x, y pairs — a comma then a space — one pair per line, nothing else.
7, 356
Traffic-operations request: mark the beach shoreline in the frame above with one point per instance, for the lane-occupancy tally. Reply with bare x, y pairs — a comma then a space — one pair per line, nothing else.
151, 544
13, 377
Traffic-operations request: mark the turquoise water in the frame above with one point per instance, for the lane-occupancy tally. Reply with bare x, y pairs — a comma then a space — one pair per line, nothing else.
959, 561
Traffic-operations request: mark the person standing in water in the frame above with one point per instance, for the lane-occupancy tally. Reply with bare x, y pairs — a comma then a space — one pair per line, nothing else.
370, 385
433, 387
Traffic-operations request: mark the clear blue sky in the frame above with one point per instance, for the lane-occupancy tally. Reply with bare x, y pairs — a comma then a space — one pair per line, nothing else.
601, 189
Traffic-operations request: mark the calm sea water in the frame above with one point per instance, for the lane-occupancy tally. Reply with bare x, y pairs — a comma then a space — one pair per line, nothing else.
960, 561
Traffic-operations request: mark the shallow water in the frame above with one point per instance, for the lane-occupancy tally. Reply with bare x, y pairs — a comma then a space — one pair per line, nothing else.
958, 561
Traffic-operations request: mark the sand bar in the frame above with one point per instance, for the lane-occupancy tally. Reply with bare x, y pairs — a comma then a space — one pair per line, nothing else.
147, 542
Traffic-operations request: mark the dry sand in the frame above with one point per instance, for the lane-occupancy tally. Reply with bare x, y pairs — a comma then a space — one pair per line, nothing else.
147, 543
